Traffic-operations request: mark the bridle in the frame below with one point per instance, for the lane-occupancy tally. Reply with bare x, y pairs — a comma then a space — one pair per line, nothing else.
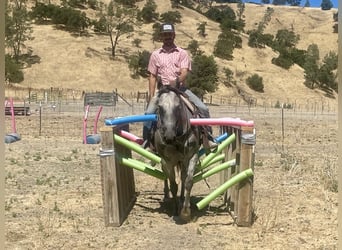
183, 119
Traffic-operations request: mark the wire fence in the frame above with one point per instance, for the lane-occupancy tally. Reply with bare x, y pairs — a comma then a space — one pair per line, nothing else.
66, 118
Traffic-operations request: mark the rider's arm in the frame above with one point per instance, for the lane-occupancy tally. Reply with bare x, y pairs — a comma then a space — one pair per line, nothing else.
182, 76
180, 79
152, 82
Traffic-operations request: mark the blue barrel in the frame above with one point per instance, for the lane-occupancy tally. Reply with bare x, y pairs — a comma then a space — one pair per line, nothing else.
93, 139
13, 137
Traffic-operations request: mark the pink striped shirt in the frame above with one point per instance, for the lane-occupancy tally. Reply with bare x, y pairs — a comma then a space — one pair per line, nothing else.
167, 65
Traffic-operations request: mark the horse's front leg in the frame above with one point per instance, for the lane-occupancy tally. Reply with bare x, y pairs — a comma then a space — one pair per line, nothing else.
174, 191
166, 190
169, 170
188, 183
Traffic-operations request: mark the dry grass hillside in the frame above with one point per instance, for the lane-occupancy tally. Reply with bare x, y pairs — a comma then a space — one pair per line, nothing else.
83, 63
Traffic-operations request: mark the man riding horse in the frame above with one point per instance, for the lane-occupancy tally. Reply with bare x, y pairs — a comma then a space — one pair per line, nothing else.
169, 65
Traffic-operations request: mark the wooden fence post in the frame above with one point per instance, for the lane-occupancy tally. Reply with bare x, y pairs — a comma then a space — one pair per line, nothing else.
118, 187
245, 188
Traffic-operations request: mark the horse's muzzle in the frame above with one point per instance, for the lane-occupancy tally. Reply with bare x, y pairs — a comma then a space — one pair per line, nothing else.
169, 136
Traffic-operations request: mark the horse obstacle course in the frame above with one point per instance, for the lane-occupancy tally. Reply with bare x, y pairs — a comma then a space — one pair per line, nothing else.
233, 159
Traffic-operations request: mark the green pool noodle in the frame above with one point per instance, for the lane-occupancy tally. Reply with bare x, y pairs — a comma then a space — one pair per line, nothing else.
213, 161
214, 170
217, 158
137, 148
219, 149
221, 189
143, 168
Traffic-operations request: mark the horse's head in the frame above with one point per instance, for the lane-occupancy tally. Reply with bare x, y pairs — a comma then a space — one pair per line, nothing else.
171, 114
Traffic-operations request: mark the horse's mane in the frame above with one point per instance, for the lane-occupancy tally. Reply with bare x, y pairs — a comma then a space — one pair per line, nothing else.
167, 88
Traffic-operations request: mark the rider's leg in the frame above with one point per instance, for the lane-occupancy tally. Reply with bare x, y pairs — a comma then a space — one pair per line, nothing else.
203, 109
204, 113
147, 125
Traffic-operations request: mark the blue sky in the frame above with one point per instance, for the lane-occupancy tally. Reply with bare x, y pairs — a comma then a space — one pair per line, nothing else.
317, 3
313, 3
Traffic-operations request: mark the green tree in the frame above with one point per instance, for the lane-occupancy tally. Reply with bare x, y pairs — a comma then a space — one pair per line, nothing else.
326, 5
326, 76
13, 72
255, 82
218, 15
227, 41
138, 63
293, 2
330, 60
18, 28
284, 60
203, 77
229, 76
256, 37
70, 18
118, 20
322, 76
258, 40
176, 3
265, 20
126, 3
310, 73
171, 17
313, 52
148, 12
156, 32
42, 12
311, 66
193, 47
286, 39
100, 25
279, 2
298, 56
327, 79
136, 42
240, 10
201, 28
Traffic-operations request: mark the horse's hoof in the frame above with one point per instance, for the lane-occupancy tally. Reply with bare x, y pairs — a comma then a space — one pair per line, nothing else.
167, 198
185, 214
179, 220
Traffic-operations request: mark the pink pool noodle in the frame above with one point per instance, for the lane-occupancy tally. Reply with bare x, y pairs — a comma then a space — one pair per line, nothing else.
131, 137
85, 125
97, 119
221, 122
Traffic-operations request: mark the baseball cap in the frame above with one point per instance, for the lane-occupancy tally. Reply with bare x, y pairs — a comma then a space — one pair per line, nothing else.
166, 28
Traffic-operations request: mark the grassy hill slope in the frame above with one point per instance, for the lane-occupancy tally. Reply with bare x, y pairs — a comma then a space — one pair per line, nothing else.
83, 63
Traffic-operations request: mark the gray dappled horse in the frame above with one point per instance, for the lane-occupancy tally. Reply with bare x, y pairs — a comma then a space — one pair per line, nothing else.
177, 143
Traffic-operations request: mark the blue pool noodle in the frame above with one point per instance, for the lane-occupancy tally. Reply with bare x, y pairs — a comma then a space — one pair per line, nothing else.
131, 119
218, 139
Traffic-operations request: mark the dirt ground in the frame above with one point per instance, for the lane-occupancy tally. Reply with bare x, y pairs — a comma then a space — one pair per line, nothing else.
54, 197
